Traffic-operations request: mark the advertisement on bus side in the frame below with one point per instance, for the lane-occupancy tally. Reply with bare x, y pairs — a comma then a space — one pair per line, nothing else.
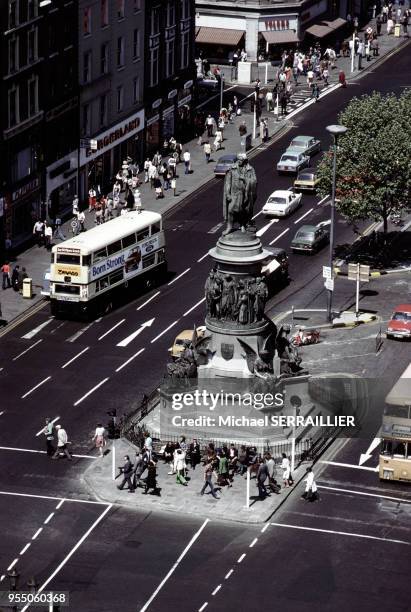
130, 259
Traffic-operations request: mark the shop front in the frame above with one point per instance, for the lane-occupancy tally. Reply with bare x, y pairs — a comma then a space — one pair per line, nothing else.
21, 209
184, 121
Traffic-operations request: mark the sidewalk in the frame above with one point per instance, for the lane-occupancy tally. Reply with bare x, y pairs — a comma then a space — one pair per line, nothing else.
36, 260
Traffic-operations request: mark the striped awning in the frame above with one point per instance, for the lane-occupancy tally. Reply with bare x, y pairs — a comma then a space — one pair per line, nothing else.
219, 36
277, 37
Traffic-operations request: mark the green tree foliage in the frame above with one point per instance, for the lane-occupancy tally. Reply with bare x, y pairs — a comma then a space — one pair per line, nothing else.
373, 158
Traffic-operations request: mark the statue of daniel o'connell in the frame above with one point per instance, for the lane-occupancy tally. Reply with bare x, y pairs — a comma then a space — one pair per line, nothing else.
240, 194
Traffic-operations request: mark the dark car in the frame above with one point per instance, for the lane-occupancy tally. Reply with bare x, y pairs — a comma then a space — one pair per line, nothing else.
309, 238
275, 269
224, 164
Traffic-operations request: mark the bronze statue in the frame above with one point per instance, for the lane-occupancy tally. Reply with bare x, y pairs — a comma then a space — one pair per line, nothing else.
261, 296
240, 193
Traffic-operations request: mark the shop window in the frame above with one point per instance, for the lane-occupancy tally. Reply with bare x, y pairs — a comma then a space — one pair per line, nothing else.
128, 241
23, 50
32, 9
104, 13
185, 9
114, 247
13, 107
143, 234
23, 164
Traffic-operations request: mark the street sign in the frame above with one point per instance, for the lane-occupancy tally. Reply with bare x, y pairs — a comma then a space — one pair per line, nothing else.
93, 145
365, 274
327, 272
88, 143
329, 284
359, 272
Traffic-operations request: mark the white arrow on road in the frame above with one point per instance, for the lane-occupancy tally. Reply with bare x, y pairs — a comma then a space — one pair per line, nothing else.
324, 223
365, 456
131, 337
266, 227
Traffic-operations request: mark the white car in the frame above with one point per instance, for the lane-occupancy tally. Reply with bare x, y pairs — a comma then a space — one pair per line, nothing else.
282, 203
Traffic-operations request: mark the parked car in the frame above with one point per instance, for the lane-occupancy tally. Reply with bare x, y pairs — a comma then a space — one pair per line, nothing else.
292, 161
282, 203
309, 238
307, 180
224, 164
275, 269
308, 145
184, 337
208, 82
399, 326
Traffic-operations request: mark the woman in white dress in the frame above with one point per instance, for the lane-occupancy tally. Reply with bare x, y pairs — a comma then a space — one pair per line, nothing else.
285, 466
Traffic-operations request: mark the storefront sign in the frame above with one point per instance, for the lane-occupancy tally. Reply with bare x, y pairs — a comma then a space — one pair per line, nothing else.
152, 120
188, 84
277, 24
168, 111
28, 188
185, 100
68, 251
67, 270
156, 103
172, 94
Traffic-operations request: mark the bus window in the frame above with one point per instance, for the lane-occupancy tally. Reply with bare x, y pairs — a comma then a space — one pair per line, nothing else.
142, 234
99, 255
114, 247
149, 260
129, 241
86, 260
102, 284
116, 277
386, 447
68, 259
161, 256
73, 289
398, 449
155, 228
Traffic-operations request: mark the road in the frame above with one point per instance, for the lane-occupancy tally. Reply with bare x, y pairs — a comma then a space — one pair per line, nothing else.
113, 559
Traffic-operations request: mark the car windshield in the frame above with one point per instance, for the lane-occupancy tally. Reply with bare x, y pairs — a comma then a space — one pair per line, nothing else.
402, 316
277, 200
289, 158
226, 160
305, 177
179, 342
305, 234
298, 143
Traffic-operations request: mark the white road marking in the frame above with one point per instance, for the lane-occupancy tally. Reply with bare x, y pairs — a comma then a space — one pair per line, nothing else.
323, 199
71, 553
129, 360
343, 533
53, 331
304, 215
41, 452
264, 528
27, 350
12, 564
164, 331
227, 576
179, 276
215, 229
38, 532
398, 499
48, 519
203, 607
134, 335
42, 429
91, 391
36, 387
1, 413
176, 564
74, 358
77, 335
111, 329
256, 215
216, 590
368, 454
194, 307
201, 258
266, 227
253, 543
37, 329
61, 503
280, 236
241, 558
353, 466
23, 550
2, 577
149, 300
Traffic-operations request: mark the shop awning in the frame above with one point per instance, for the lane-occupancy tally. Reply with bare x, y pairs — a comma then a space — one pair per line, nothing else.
219, 36
325, 27
280, 37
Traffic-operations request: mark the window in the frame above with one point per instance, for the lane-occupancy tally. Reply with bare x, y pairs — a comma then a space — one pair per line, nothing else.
71, 289
114, 247
104, 13
155, 228
154, 66
32, 45
23, 164
171, 14
128, 241
87, 67
87, 21
103, 110
155, 21
104, 58
161, 256
136, 89
32, 9
120, 51
149, 260
185, 9
102, 284
116, 277
120, 9
136, 44
23, 50
12, 13
136, 5
99, 255
143, 234
185, 49
13, 107
13, 61
170, 54
33, 96
120, 98
68, 259
86, 120
86, 260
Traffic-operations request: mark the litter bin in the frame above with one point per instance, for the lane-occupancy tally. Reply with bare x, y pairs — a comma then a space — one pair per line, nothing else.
28, 288
397, 29
245, 143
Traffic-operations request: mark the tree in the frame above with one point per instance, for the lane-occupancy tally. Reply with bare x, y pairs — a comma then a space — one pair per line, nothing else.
373, 158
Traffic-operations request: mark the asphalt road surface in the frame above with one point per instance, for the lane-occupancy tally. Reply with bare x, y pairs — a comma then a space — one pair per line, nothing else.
350, 550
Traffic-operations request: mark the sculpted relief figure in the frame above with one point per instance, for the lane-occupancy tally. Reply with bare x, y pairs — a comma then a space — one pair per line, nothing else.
240, 193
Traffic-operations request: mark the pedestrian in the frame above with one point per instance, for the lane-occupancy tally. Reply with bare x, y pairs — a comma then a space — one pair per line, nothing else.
286, 467
218, 140
48, 432
157, 159
62, 441
187, 158
235, 105
262, 475
390, 26
38, 232
100, 438
57, 229
310, 494
207, 151
174, 186
223, 474
151, 480
269, 100
48, 235
152, 173
283, 102
208, 480
341, 78
194, 453
92, 198
81, 217
209, 123
172, 165
325, 76
242, 460
180, 466
5, 272
158, 188
127, 471
242, 128
139, 468
315, 91
15, 278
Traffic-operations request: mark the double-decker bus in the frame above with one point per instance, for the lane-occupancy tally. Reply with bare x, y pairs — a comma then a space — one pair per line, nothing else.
87, 271
395, 454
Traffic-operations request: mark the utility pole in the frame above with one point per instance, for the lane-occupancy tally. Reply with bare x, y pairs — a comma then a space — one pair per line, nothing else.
221, 90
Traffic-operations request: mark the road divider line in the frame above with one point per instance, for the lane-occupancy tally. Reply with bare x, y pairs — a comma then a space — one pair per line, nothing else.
280, 236
266, 227
260, 212
42, 429
216, 590
91, 391
61, 500
48, 519
1, 413
111, 329
253, 543
397, 499
303, 216
174, 567
37, 329
228, 574
129, 360
82, 331
60, 504
215, 229
179, 276
126, 341
241, 558
27, 350
194, 307
164, 331
203, 257
203, 607
323, 199
264, 528
75, 357
148, 301
36, 387
10, 567
38, 532
343, 533
23, 550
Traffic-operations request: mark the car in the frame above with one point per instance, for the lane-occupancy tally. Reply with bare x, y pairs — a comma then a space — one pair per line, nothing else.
282, 203
208, 82
309, 238
224, 164
307, 180
185, 337
399, 326
292, 161
275, 269
306, 144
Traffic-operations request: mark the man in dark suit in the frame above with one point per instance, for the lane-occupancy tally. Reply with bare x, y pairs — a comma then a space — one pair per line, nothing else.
262, 476
139, 467
127, 471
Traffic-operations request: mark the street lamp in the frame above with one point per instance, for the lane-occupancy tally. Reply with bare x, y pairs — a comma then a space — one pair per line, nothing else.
335, 131
221, 90
13, 577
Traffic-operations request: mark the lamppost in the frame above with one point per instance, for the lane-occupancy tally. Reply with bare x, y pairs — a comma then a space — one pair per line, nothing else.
13, 577
221, 90
335, 131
